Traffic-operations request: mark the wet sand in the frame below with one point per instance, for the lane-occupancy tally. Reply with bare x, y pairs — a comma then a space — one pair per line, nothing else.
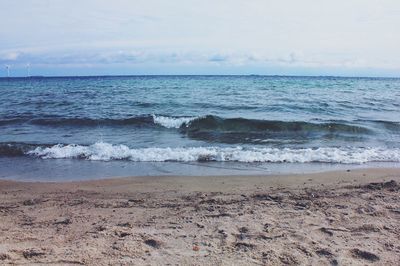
334, 218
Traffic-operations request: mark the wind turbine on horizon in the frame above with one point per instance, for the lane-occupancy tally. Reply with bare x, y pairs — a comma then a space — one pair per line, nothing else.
28, 69
8, 70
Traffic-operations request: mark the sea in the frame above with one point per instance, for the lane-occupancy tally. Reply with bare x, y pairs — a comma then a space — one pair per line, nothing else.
71, 128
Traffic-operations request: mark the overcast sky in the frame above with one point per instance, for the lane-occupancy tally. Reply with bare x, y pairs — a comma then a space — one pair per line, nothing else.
307, 37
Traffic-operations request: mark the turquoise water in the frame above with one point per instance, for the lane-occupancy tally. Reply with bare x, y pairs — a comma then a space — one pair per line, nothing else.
247, 119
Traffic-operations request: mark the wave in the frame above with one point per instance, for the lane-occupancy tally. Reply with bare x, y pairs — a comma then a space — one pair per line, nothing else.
142, 120
173, 122
11, 121
106, 152
217, 129
389, 125
14, 149
201, 123
213, 123
137, 121
241, 130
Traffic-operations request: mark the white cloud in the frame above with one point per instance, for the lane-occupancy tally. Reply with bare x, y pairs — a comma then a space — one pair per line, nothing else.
104, 57
9, 56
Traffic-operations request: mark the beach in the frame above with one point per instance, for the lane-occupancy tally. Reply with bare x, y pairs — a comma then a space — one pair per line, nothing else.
346, 217
200, 133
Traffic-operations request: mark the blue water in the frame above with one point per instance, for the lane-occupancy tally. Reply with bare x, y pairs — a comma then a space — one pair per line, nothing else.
245, 119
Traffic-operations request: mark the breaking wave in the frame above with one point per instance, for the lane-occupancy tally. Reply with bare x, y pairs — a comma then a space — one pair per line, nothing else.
236, 131
142, 120
196, 123
172, 122
106, 152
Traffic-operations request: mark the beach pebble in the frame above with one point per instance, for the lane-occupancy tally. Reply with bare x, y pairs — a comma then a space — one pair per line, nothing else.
4, 256
361, 254
29, 253
63, 220
153, 243
122, 234
127, 224
31, 202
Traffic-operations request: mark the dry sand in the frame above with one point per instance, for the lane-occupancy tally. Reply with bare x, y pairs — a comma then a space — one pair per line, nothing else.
335, 218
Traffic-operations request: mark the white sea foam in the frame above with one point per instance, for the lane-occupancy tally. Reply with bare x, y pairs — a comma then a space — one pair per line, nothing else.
106, 152
172, 122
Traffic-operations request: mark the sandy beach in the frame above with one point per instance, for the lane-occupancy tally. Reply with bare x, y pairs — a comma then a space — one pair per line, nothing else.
335, 218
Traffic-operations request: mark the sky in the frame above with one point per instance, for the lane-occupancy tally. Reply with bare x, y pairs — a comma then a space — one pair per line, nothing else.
135, 37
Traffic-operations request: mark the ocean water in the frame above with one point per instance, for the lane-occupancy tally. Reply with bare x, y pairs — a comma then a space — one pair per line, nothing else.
222, 122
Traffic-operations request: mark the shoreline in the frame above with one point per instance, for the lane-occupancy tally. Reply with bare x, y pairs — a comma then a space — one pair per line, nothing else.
66, 170
359, 174
329, 218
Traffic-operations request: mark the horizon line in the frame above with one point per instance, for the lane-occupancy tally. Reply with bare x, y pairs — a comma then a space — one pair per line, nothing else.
187, 75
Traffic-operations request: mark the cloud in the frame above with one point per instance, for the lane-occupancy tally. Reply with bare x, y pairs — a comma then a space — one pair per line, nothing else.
9, 56
187, 33
135, 57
